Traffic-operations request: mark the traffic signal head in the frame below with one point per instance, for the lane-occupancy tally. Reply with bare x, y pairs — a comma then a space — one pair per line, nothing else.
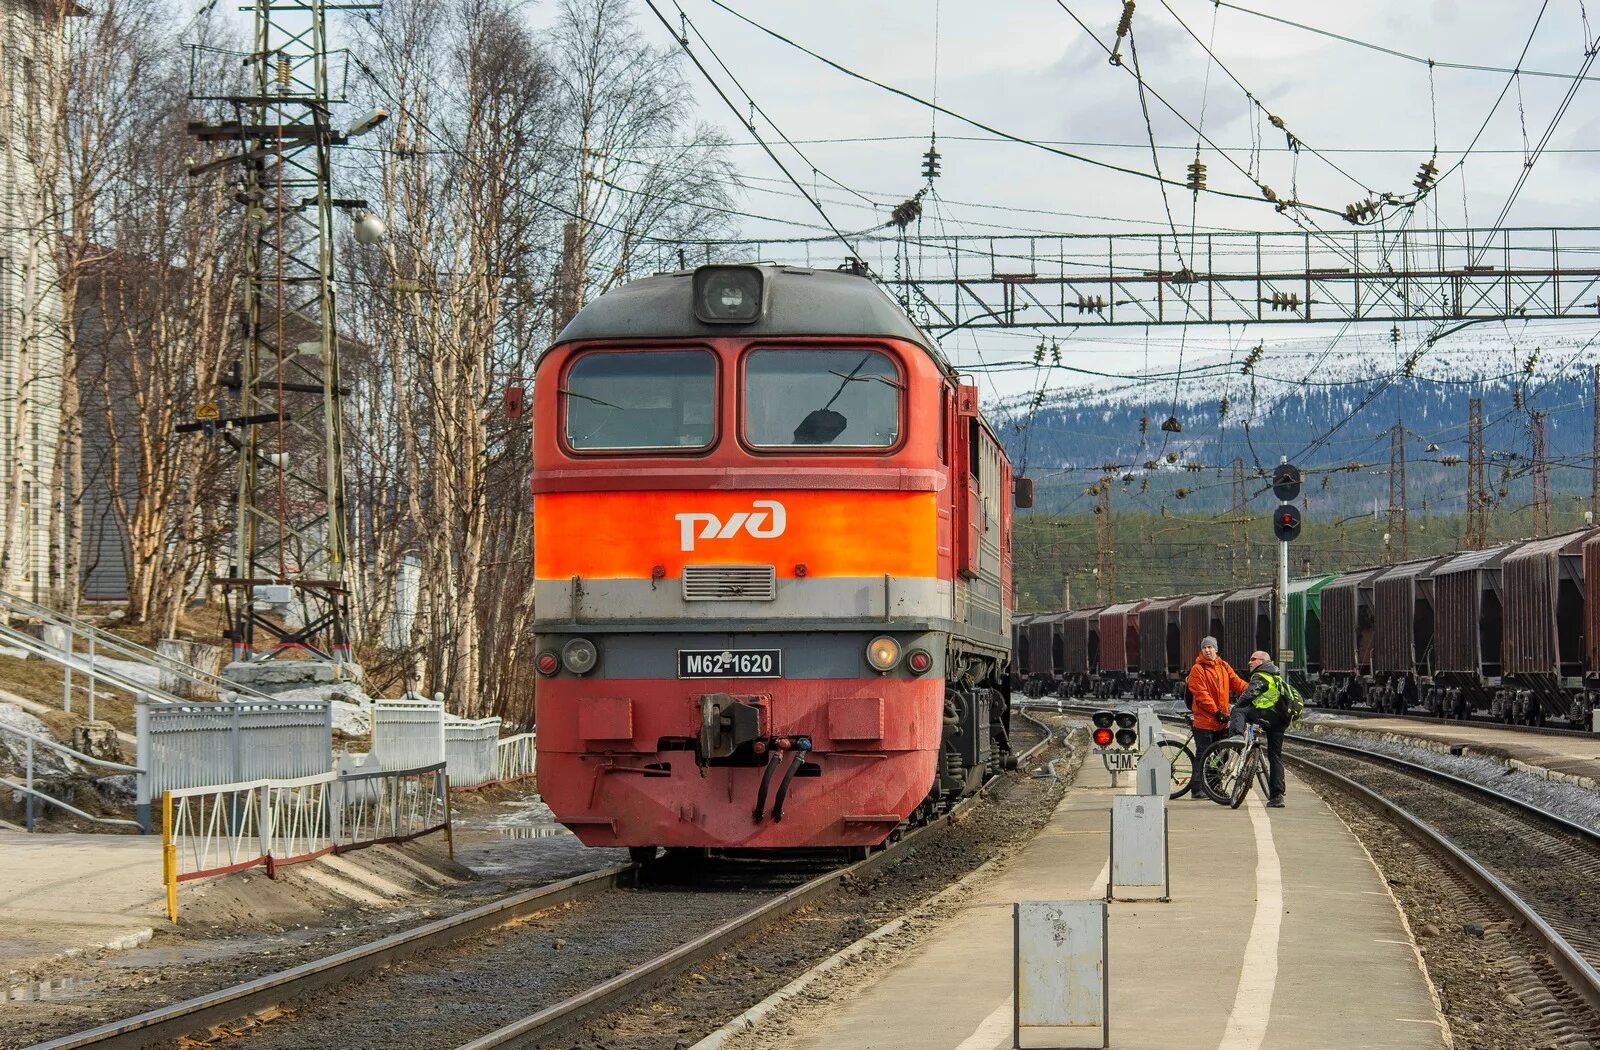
1286, 481
1286, 522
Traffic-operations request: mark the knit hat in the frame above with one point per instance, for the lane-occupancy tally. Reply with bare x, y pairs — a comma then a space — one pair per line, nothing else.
1208, 641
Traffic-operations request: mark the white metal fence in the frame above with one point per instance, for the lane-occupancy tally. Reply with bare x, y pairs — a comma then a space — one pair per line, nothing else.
203, 745
515, 757
218, 829
469, 750
408, 733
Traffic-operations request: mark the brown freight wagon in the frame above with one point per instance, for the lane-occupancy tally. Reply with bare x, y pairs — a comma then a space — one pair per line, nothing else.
1197, 617
1019, 651
1469, 612
1246, 625
1402, 635
1119, 647
1080, 647
1160, 655
1043, 672
1347, 629
1542, 637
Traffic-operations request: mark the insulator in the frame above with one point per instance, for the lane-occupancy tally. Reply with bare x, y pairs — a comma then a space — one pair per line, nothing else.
1172, 457
1222, 408
1171, 425
1151, 464
1038, 354
1197, 175
1432, 447
1394, 334
1182, 494
1055, 354
1144, 424
1361, 211
1194, 468
1451, 461
1091, 303
930, 163
905, 213
1126, 22
285, 73
1425, 175
1269, 193
1276, 121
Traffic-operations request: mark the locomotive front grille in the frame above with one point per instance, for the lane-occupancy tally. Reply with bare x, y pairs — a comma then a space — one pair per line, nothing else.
723, 583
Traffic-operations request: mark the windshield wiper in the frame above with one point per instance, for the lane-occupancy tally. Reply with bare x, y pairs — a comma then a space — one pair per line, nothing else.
586, 397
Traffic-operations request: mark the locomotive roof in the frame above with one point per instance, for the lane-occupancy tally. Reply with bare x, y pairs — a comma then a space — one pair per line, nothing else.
799, 301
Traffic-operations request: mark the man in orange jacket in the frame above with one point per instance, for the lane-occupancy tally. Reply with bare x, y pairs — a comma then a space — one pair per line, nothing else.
1212, 685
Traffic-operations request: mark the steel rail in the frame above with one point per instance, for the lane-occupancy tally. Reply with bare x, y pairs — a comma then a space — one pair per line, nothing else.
624, 985
1572, 827
1574, 968
167, 1024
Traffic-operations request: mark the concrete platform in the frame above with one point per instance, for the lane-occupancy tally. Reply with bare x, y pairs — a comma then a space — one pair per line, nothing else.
67, 892
1571, 757
1280, 934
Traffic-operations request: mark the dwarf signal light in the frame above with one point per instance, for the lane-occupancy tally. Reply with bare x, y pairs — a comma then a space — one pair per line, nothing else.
1103, 737
1127, 737
1127, 719
1103, 719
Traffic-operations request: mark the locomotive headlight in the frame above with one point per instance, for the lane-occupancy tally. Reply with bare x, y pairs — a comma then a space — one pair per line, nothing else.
727, 294
579, 655
883, 653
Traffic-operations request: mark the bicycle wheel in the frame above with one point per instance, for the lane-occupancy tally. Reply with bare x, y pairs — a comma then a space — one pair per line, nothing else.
1182, 761
1220, 766
1248, 775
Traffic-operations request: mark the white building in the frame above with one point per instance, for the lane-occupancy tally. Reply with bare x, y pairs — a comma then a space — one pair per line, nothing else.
30, 301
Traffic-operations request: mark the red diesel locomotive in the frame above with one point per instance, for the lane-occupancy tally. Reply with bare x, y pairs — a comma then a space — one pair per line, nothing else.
772, 550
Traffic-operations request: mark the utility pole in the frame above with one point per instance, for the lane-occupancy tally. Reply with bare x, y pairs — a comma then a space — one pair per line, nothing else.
1594, 448
1541, 477
1477, 495
1237, 536
1105, 588
1398, 524
290, 578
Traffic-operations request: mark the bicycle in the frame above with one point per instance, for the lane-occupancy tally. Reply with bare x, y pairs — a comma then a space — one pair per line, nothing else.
1231, 765
1180, 755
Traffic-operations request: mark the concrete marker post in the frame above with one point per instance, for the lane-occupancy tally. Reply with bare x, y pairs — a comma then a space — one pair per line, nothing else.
1061, 995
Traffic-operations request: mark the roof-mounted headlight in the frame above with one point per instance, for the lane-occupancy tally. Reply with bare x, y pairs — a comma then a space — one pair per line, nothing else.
727, 294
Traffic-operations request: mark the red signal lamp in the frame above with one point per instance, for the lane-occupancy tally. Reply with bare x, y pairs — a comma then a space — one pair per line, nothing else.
547, 663
918, 661
1103, 737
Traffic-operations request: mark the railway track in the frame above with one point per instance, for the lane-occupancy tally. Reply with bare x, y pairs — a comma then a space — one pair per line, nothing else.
1538, 866
1489, 723
699, 922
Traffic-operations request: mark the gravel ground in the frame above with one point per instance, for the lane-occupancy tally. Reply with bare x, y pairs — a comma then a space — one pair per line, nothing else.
1494, 989
688, 1008
1577, 804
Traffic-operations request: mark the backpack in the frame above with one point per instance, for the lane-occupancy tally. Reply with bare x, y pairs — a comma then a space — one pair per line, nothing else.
1286, 699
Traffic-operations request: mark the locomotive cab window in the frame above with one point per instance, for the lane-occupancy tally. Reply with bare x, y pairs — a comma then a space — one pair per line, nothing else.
656, 399
821, 399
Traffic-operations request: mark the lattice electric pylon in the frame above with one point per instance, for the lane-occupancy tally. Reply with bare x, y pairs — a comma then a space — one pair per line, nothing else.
290, 577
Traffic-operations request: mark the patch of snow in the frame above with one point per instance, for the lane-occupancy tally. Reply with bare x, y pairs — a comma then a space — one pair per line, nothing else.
13, 749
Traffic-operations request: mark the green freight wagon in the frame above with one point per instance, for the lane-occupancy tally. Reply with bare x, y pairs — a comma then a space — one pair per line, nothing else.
1305, 629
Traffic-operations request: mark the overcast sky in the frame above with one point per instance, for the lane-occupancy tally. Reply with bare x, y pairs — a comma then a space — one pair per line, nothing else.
1025, 67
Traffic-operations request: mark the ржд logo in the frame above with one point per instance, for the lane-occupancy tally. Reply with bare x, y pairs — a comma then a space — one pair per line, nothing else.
754, 521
